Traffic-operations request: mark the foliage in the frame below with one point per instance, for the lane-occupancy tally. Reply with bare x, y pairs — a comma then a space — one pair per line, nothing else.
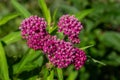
101, 20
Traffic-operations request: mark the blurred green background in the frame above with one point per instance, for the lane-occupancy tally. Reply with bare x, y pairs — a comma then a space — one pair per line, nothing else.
101, 28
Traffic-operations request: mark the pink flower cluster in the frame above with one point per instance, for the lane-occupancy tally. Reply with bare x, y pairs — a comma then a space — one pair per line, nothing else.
71, 27
33, 29
63, 55
59, 52
66, 54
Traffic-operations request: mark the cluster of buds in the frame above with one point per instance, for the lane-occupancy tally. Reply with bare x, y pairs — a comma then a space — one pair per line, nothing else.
71, 27
33, 29
59, 52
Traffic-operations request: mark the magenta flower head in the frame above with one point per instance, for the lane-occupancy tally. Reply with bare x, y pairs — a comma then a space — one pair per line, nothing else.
32, 26
50, 46
33, 29
71, 27
79, 58
63, 55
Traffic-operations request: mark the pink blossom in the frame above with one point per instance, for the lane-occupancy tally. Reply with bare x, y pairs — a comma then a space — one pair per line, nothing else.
71, 27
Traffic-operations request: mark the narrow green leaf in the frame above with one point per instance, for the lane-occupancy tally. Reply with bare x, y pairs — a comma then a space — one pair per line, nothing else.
27, 59
51, 76
83, 48
8, 17
52, 29
95, 61
82, 14
3, 64
20, 8
45, 11
60, 74
54, 15
12, 37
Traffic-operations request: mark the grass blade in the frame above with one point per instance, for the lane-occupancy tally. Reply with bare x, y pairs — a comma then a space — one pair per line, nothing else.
45, 11
3, 64
20, 8
7, 18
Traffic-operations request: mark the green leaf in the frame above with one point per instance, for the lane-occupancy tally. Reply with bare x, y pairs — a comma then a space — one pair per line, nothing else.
8, 17
82, 14
3, 64
45, 11
34, 78
51, 76
44, 72
11, 38
113, 59
83, 48
111, 39
20, 8
60, 35
72, 75
34, 64
28, 59
69, 9
60, 74
89, 25
84, 75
